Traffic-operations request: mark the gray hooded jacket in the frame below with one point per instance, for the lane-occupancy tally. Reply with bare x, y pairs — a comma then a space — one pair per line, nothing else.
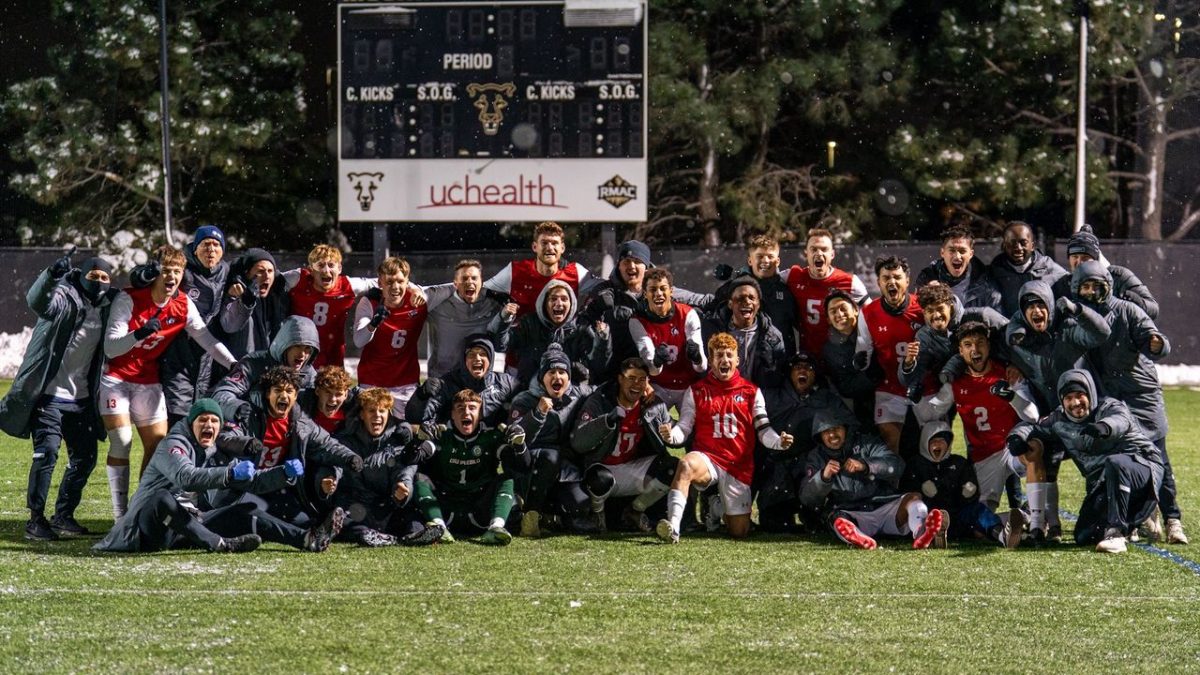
850, 492
1009, 278
296, 330
533, 333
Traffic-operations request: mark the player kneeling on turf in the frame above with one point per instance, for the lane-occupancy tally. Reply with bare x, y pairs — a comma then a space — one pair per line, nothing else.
617, 439
1122, 468
726, 411
461, 486
378, 498
159, 518
849, 476
949, 482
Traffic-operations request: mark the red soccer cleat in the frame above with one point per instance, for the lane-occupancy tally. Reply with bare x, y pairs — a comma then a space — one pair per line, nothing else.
933, 524
849, 533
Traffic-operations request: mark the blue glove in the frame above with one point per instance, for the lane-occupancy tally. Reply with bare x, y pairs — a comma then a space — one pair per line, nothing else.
244, 470
293, 468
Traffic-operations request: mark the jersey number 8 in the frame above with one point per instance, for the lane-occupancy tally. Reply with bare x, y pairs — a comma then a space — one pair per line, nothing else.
320, 313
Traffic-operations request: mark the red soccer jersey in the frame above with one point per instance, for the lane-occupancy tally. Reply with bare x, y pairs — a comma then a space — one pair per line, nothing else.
629, 437
891, 334
677, 373
275, 438
390, 358
724, 424
328, 311
809, 295
986, 418
329, 424
140, 364
527, 283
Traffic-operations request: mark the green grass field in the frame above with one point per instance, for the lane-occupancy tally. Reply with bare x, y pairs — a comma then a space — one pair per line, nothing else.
621, 603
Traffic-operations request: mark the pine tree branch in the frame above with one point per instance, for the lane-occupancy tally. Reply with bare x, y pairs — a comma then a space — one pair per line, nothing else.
1180, 134
1054, 127
121, 182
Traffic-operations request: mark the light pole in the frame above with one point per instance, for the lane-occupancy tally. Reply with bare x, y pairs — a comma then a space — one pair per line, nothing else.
165, 115
1081, 120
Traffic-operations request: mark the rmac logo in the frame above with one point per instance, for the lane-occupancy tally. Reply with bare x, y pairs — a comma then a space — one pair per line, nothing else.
365, 185
618, 191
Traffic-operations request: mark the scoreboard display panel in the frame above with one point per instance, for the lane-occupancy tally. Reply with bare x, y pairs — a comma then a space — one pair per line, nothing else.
470, 111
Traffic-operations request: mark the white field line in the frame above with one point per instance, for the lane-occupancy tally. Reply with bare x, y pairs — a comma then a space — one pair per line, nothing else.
485, 593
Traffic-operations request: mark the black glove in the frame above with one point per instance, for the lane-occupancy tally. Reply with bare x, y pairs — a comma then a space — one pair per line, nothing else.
1097, 430
147, 329
1016, 445
254, 448
430, 431
431, 387
1066, 307
248, 296
402, 435
693, 352
515, 436
722, 272
144, 275
1003, 390
914, 393
59, 268
622, 313
1016, 336
579, 373
861, 360
661, 354
356, 463
380, 314
616, 415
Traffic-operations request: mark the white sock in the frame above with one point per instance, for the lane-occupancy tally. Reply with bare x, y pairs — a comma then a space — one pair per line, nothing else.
653, 492
1051, 490
598, 504
676, 500
118, 486
496, 524
1037, 505
439, 521
916, 516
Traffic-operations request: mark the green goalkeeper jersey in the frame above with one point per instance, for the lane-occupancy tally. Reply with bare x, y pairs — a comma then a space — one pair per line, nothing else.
464, 467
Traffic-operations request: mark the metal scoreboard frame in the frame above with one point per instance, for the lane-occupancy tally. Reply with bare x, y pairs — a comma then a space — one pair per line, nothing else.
492, 111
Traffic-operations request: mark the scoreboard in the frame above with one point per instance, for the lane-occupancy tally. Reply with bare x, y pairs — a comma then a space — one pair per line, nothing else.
492, 111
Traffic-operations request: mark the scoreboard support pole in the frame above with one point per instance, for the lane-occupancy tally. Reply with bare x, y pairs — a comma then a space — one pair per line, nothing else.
608, 244
380, 242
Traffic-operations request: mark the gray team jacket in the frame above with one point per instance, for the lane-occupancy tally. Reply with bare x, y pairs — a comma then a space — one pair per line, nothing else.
1009, 278
1059, 430
173, 469
1123, 361
858, 492
296, 330
60, 309
1125, 285
596, 431
450, 321
373, 489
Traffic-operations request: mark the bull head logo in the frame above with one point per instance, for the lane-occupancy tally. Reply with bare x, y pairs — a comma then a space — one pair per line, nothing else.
364, 187
491, 112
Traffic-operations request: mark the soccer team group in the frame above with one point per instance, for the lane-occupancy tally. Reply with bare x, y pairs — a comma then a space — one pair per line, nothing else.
792, 388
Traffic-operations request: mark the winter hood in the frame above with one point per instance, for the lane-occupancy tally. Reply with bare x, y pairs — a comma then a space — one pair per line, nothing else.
1078, 379
1041, 290
928, 432
295, 330
541, 302
1092, 270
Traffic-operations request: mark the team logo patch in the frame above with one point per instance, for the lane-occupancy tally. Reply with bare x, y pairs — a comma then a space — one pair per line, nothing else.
915, 325
476, 450
365, 184
194, 293
178, 451
491, 111
617, 191
586, 416
171, 320
738, 398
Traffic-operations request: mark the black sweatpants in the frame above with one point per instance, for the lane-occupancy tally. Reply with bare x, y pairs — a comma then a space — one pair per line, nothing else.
55, 421
1123, 497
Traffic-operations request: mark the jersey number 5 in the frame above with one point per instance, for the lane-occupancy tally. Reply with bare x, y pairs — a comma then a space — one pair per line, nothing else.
813, 311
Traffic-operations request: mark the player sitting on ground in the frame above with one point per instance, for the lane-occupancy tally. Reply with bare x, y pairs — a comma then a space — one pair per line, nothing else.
850, 477
387, 327
142, 323
271, 431
617, 441
1121, 468
378, 500
723, 414
159, 518
947, 481
461, 487
547, 411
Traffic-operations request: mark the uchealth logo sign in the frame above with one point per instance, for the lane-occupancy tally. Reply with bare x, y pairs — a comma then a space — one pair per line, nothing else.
446, 190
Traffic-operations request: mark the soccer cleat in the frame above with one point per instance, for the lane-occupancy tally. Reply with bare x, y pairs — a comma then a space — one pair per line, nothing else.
318, 538
1113, 542
445, 537
714, 517
637, 520
1151, 529
933, 523
1011, 537
243, 543
1175, 533
531, 524
38, 529
374, 538
848, 532
496, 536
66, 526
666, 533
939, 537
1054, 534
430, 534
